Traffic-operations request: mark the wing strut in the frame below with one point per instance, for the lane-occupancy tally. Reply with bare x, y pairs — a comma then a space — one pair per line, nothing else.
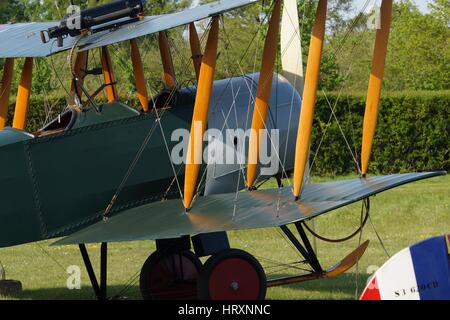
375, 81
79, 73
309, 96
138, 70
8, 72
166, 58
263, 92
199, 118
23, 95
196, 49
108, 74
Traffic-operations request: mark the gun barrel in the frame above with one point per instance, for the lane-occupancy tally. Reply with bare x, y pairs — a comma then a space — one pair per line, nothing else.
72, 24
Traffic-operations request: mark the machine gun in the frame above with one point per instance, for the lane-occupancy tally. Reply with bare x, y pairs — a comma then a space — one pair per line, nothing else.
108, 16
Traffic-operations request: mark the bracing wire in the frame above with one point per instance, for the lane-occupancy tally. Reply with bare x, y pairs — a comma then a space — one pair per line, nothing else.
333, 115
136, 159
379, 238
52, 63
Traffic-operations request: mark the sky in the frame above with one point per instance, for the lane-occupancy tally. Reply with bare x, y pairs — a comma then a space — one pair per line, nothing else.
422, 4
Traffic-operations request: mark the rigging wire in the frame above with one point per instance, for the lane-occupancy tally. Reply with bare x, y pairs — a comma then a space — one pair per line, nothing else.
337, 53
349, 69
269, 136
379, 238
136, 159
52, 63
37, 244
230, 81
342, 132
294, 85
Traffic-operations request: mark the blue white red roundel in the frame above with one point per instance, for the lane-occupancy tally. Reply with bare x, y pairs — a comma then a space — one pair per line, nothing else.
420, 272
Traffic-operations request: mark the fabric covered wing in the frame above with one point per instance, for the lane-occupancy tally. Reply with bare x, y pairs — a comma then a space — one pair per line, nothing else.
23, 39
256, 209
163, 22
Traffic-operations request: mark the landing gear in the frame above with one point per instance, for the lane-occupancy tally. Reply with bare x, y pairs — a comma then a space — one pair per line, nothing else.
170, 276
232, 274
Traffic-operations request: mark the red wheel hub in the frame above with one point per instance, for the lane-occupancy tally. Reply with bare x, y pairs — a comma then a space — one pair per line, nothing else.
234, 279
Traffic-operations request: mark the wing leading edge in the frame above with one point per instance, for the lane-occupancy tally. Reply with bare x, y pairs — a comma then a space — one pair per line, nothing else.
256, 209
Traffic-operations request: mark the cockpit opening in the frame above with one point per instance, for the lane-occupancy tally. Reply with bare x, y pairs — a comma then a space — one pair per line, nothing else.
63, 122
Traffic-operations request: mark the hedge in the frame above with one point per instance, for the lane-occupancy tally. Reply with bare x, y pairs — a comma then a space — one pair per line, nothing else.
412, 134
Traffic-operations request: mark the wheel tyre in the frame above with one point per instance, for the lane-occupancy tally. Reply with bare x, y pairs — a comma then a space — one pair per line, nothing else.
170, 276
232, 274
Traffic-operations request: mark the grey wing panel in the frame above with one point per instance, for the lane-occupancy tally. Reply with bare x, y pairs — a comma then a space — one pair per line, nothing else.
164, 22
257, 209
24, 40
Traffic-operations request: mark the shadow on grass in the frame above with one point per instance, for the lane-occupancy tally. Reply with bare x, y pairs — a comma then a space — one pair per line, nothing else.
344, 284
85, 293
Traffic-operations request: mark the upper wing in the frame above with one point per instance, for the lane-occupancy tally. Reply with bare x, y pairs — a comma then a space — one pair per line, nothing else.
256, 209
163, 22
23, 39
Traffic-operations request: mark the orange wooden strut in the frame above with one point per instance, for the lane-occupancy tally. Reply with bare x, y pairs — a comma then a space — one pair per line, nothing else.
79, 69
263, 92
200, 116
138, 70
5, 90
196, 49
375, 81
23, 95
166, 58
108, 74
309, 96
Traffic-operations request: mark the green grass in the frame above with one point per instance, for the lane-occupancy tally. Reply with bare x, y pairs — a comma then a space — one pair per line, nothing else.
401, 216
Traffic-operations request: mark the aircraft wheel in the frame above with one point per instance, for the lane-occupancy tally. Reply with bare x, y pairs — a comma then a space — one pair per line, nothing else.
170, 276
232, 274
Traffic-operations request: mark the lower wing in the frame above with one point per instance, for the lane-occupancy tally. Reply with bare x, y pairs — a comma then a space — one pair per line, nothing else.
236, 211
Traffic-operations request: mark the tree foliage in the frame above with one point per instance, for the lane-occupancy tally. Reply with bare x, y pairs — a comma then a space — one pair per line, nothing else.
418, 51
418, 55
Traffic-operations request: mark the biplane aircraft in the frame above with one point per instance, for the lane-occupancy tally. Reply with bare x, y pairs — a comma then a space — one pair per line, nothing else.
102, 172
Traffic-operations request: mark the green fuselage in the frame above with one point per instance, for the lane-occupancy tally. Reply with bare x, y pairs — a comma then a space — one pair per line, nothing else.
55, 182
